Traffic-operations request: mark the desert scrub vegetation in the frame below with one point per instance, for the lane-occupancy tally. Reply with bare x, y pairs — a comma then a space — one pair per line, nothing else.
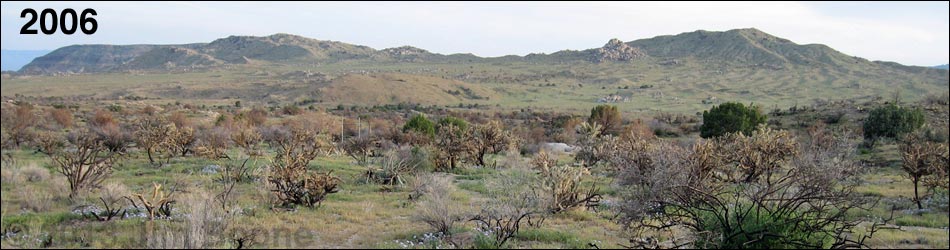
639, 187
293, 183
764, 190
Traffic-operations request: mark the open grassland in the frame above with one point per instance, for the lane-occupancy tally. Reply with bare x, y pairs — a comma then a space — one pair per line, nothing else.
688, 87
534, 102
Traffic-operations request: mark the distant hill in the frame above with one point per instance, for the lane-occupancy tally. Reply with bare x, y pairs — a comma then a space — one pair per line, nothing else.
279, 48
734, 48
945, 66
743, 46
13, 60
683, 72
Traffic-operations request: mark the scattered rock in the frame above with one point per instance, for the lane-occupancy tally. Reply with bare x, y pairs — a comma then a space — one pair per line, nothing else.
557, 147
211, 169
613, 99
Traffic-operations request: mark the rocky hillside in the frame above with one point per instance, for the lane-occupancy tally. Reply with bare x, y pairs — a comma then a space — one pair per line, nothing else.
615, 50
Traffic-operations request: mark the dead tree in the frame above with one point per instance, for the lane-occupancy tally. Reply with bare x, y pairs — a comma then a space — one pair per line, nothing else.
86, 163
921, 160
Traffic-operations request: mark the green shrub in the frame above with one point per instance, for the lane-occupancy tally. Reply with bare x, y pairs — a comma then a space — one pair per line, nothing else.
461, 124
729, 118
485, 242
421, 124
892, 121
608, 117
757, 231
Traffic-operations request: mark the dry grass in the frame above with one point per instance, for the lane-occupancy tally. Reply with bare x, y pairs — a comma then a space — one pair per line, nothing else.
35, 200
33, 173
396, 88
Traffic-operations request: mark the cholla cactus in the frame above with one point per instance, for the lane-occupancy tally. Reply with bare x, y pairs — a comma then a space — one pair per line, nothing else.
562, 184
592, 147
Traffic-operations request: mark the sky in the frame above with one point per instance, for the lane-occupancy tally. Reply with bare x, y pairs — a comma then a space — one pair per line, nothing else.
910, 33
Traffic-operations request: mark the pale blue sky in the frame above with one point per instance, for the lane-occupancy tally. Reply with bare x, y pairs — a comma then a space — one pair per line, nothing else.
913, 33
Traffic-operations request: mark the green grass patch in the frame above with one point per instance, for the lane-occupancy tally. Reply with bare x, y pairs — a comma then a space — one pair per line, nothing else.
569, 240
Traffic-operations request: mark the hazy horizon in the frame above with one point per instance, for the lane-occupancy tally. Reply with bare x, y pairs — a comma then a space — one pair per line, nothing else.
914, 33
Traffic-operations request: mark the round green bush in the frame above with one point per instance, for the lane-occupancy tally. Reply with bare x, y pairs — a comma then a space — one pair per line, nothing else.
420, 123
608, 116
459, 123
892, 121
731, 117
762, 230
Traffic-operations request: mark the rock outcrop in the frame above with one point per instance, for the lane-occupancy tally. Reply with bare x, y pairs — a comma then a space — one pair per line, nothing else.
617, 51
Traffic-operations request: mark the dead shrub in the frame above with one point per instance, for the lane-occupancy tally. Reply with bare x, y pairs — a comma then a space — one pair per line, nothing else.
249, 140
157, 203
113, 136
111, 196
63, 117
33, 173
213, 143
359, 148
85, 163
244, 232
256, 117
798, 193
152, 135
393, 168
36, 200
758, 155
179, 119
49, 142
293, 183
453, 145
19, 126
203, 226
437, 208
513, 205
924, 161
488, 138
181, 139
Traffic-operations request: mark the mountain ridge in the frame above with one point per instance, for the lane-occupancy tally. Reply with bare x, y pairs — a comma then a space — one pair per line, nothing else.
737, 47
